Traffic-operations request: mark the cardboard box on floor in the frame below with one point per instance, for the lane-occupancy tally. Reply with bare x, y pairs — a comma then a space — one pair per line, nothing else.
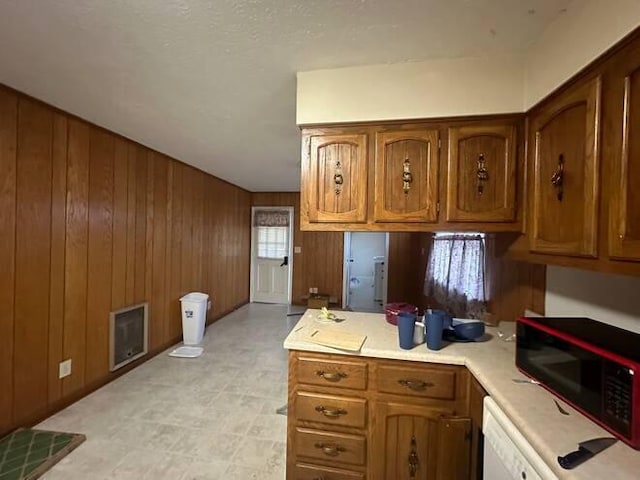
318, 300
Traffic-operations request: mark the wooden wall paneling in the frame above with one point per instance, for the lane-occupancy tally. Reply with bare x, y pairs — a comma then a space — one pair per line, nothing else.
175, 251
58, 237
207, 247
99, 258
140, 255
216, 247
8, 139
33, 260
75, 291
120, 224
158, 329
131, 224
198, 206
186, 265
404, 268
148, 243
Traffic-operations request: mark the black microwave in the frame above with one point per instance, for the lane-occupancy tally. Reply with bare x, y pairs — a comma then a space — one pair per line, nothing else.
593, 366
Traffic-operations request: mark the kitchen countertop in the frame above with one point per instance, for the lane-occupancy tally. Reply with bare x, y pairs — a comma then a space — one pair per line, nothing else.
530, 407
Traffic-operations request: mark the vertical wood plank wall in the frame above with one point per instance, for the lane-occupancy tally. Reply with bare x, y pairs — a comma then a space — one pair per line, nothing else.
91, 222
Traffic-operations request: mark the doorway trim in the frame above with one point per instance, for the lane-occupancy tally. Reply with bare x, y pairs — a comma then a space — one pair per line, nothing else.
291, 211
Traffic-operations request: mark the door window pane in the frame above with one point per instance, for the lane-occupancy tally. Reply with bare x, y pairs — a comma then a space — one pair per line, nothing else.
273, 242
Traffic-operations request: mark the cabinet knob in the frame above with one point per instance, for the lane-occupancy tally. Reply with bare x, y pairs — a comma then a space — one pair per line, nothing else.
331, 412
338, 179
417, 385
331, 376
482, 173
413, 459
330, 449
407, 177
557, 179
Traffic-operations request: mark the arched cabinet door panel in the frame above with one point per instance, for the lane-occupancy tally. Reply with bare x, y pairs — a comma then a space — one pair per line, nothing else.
481, 174
334, 178
565, 155
624, 213
406, 176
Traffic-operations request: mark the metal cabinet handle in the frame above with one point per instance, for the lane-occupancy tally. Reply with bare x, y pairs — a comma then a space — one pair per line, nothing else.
414, 384
557, 179
331, 376
414, 461
331, 412
330, 449
407, 177
338, 179
482, 173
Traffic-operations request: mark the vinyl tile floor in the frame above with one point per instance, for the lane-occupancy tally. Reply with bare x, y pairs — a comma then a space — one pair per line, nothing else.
209, 418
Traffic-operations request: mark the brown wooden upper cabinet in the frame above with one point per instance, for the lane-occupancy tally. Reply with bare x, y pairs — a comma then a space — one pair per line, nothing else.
481, 173
406, 176
624, 230
334, 175
564, 192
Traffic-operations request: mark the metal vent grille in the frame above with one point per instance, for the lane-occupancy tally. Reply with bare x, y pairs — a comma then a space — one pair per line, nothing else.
128, 335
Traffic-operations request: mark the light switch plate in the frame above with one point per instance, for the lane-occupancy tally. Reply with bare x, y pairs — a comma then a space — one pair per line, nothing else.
297, 249
64, 370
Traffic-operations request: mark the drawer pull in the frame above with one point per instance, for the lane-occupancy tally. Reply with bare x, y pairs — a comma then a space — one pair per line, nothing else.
331, 376
331, 412
330, 449
415, 384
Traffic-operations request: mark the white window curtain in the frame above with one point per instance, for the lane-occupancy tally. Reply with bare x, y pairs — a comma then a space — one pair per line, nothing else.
455, 276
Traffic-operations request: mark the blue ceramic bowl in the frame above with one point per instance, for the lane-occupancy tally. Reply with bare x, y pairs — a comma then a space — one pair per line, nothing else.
469, 330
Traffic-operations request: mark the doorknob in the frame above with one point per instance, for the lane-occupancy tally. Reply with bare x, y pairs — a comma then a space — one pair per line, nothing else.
285, 262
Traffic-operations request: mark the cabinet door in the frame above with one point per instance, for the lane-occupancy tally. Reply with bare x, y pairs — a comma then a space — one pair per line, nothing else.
334, 179
481, 174
413, 442
565, 173
624, 238
406, 177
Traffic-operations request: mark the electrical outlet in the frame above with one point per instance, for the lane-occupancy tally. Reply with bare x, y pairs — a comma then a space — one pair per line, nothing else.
209, 305
64, 369
310, 289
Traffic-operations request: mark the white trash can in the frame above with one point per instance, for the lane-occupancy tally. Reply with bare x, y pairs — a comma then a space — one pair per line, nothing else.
194, 316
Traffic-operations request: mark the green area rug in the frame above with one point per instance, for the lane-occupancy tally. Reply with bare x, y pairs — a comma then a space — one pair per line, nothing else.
26, 454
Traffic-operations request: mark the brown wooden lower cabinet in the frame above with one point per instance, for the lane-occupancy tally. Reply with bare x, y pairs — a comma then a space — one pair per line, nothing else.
421, 443
386, 419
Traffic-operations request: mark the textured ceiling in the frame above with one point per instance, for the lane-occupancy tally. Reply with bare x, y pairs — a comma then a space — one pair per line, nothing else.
212, 83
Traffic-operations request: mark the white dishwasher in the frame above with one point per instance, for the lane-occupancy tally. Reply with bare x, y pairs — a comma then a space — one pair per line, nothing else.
507, 454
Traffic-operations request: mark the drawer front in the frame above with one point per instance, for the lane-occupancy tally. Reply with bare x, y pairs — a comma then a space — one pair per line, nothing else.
332, 409
317, 472
331, 446
331, 373
420, 382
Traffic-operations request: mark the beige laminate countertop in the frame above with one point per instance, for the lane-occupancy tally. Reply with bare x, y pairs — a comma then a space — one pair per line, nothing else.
530, 407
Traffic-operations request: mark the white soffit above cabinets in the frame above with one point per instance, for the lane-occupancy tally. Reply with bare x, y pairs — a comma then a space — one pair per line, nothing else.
213, 82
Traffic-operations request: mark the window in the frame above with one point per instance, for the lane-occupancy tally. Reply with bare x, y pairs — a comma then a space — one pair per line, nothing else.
455, 276
272, 233
273, 242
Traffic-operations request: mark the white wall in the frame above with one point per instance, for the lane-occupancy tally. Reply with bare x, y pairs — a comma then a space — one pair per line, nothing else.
437, 88
573, 40
468, 86
613, 299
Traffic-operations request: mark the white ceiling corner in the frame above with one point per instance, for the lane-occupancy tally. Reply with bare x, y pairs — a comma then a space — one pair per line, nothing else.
213, 83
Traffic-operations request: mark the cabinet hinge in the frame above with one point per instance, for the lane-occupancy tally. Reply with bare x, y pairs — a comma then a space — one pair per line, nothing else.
438, 207
439, 144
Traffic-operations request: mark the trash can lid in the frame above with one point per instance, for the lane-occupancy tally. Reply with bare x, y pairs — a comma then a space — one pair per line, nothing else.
195, 297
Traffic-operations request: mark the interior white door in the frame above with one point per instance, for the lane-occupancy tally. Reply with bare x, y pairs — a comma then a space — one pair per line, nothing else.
271, 255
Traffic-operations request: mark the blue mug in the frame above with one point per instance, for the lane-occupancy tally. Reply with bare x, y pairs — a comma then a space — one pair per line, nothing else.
434, 323
406, 327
